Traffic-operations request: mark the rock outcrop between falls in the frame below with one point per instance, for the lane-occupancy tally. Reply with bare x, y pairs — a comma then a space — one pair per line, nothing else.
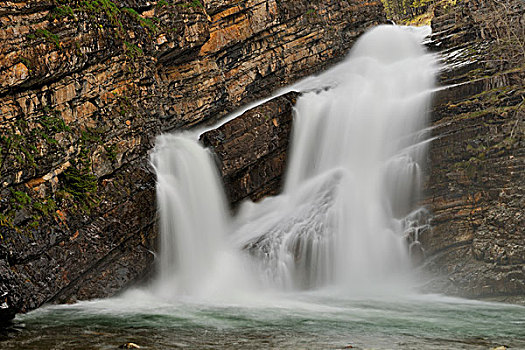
85, 87
251, 150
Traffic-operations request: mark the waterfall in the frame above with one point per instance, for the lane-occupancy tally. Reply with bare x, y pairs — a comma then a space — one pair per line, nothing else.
351, 188
195, 258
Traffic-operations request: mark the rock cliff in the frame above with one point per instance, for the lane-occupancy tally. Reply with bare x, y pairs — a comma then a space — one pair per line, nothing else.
476, 247
85, 86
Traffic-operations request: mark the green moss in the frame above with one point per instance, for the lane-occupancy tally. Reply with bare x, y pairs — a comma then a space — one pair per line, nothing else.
62, 11
15, 144
91, 135
52, 123
132, 50
310, 12
35, 209
79, 183
78, 179
52, 38
112, 152
49, 139
106, 7
21, 198
144, 22
46, 207
29, 158
6, 220
21, 124
78, 51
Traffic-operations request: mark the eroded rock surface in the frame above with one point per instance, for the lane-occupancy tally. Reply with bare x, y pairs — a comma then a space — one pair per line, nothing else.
476, 176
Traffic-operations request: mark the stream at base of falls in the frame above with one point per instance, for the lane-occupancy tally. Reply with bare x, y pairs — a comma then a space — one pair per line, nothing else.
305, 320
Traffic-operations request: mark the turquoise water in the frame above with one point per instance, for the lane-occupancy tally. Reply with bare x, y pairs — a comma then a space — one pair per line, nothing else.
273, 321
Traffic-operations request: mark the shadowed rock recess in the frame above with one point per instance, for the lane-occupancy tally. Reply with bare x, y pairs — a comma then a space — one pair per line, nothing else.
85, 86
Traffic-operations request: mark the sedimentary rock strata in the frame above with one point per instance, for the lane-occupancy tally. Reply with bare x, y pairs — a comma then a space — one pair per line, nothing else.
251, 149
476, 168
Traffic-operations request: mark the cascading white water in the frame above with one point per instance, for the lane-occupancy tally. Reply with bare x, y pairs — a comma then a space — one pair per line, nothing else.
193, 220
352, 182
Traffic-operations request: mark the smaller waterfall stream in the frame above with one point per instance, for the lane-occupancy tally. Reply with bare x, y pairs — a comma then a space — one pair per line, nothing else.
353, 179
195, 258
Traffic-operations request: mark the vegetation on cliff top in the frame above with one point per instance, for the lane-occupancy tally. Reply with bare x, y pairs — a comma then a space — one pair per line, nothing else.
417, 12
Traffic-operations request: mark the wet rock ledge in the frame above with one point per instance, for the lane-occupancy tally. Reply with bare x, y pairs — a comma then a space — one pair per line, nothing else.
86, 86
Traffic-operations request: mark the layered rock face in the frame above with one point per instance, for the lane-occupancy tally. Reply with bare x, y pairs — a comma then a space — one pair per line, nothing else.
85, 86
251, 149
476, 177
